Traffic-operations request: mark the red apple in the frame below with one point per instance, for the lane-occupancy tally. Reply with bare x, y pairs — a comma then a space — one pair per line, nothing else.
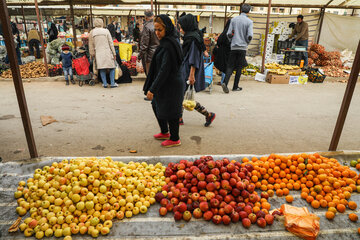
208, 215
226, 219
163, 211
164, 202
248, 209
260, 214
169, 207
178, 216
215, 171
187, 216
269, 219
211, 164
252, 217
261, 222
264, 195
159, 196
197, 213
228, 209
204, 206
174, 201
243, 214
246, 222
182, 207
214, 203
235, 217
201, 184
230, 167
216, 219
210, 187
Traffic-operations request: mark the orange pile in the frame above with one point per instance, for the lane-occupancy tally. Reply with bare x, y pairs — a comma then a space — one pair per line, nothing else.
323, 182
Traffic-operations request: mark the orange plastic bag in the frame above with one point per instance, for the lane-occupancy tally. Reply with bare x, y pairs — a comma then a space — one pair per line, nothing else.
301, 222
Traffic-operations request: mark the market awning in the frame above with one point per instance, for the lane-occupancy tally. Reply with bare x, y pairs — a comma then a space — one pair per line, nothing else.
352, 4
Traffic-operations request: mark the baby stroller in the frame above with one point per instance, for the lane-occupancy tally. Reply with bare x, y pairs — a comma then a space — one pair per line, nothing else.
208, 69
83, 74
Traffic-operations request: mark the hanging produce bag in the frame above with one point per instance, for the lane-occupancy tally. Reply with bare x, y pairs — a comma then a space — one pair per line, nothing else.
301, 222
189, 99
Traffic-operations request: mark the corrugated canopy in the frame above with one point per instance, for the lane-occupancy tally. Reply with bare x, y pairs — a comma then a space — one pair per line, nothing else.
275, 3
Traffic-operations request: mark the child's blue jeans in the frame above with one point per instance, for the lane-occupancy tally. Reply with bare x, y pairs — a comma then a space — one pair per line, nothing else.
68, 71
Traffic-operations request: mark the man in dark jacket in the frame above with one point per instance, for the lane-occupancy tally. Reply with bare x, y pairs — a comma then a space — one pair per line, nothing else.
148, 41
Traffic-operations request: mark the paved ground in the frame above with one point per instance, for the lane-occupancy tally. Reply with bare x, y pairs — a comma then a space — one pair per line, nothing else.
93, 121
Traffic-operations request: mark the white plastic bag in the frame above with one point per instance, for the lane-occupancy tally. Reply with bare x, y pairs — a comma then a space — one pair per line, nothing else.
118, 71
189, 99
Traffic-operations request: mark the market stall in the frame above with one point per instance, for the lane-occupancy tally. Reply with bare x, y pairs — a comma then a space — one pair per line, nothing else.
137, 219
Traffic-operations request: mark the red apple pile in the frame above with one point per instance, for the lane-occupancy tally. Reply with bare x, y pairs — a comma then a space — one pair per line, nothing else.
219, 191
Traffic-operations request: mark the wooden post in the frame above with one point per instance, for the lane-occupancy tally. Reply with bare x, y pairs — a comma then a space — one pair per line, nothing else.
159, 9
225, 16
41, 37
322, 13
91, 17
24, 21
346, 101
19, 88
73, 23
152, 5
353, 12
290, 11
266, 36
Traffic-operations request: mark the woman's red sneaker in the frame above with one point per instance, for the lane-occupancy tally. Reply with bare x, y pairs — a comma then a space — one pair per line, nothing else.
170, 143
162, 136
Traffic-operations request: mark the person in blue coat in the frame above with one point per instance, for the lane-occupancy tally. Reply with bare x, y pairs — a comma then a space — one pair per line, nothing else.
164, 84
193, 63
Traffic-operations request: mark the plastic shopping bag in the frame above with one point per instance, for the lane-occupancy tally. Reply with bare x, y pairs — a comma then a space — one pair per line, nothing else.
118, 71
189, 99
301, 222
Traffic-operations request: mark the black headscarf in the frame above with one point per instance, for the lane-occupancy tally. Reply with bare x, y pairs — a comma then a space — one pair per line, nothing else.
192, 33
171, 43
223, 39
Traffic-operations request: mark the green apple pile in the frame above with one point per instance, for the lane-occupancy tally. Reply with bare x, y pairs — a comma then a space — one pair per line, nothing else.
84, 195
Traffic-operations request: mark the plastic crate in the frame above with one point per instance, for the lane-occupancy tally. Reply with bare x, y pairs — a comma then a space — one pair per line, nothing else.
315, 76
283, 45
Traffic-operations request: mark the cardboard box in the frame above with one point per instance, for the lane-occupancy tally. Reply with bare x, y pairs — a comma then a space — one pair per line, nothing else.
277, 79
295, 71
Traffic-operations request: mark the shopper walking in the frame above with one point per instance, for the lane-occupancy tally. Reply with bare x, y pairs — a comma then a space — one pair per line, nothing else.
148, 41
66, 58
102, 49
193, 63
52, 32
301, 34
221, 51
112, 29
34, 42
240, 33
164, 85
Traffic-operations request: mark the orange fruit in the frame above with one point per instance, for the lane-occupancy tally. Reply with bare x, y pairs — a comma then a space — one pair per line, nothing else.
271, 193
332, 209
309, 199
352, 205
304, 195
358, 230
266, 205
341, 208
315, 204
330, 215
353, 217
279, 193
289, 198
323, 203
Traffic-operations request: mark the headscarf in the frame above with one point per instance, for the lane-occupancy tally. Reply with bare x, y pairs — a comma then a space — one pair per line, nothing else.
223, 36
172, 45
192, 33
99, 23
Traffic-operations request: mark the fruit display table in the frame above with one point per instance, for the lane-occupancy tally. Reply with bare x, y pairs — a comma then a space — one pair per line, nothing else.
152, 226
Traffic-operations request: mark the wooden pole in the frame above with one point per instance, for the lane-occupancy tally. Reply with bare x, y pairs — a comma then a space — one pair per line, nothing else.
91, 17
266, 36
73, 23
152, 5
346, 101
322, 13
41, 37
353, 12
225, 16
19, 88
290, 11
24, 20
